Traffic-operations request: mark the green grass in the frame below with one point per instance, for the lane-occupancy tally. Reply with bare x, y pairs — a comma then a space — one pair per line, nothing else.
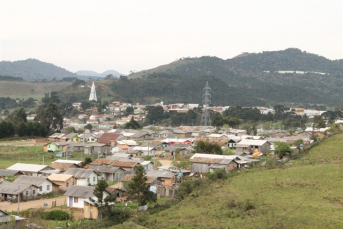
305, 193
10, 155
25, 90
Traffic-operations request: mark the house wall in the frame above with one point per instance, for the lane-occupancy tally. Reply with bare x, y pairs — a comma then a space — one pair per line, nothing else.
44, 186
93, 180
231, 166
167, 181
71, 202
90, 211
200, 168
63, 184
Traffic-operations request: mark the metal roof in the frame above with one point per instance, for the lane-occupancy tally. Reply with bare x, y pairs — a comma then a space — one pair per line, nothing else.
60, 177
80, 191
5, 172
27, 167
37, 181
13, 188
79, 173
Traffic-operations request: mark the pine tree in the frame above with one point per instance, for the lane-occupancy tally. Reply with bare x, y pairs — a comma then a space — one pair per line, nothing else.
138, 189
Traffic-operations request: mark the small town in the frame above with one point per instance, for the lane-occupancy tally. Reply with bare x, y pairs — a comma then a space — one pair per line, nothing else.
105, 150
171, 114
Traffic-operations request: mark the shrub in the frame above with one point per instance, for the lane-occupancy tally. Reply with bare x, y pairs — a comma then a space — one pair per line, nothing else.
57, 215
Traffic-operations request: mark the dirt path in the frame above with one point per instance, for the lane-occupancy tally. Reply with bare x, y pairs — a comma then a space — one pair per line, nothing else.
32, 204
166, 162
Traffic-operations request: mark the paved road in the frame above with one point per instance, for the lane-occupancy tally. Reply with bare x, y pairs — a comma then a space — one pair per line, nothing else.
32, 204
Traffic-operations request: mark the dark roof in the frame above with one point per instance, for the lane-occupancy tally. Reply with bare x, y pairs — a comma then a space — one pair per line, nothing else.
13, 188
107, 137
6, 173
79, 173
104, 168
80, 191
37, 181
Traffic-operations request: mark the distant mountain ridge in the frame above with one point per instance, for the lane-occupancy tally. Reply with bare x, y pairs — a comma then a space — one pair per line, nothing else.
33, 69
101, 75
259, 75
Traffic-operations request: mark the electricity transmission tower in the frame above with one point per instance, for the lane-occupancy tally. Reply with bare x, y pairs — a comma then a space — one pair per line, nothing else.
205, 118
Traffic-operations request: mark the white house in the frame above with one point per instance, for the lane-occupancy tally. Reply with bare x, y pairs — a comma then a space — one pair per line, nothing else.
77, 195
84, 177
148, 165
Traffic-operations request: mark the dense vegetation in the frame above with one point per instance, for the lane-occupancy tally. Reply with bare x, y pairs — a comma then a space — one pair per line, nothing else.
245, 74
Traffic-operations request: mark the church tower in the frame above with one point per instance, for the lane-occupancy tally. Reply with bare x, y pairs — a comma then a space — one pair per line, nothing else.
92, 96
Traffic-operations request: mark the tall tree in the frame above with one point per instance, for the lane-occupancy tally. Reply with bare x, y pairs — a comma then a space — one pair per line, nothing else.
100, 202
17, 116
138, 189
50, 118
133, 124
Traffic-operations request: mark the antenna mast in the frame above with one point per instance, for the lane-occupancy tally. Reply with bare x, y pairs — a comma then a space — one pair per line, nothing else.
206, 118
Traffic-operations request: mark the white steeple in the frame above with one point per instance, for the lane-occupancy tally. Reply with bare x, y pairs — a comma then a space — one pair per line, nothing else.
92, 96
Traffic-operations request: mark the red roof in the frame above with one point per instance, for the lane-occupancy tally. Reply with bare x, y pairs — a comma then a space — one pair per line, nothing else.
107, 137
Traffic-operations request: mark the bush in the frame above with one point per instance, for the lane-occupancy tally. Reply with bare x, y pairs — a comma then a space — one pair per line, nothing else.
217, 174
57, 215
186, 187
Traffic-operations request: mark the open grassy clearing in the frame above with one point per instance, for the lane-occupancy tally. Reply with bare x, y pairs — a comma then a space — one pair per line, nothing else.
10, 155
25, 90
305, 193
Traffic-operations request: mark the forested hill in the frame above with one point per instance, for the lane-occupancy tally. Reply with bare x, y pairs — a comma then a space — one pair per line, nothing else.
287, 60
262, 75
32, 69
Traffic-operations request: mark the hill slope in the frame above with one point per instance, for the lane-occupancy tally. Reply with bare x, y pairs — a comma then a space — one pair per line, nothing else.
247, 73
32, 69
306, 193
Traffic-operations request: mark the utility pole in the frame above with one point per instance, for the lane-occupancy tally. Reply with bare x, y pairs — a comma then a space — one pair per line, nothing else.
205, 118
18, 200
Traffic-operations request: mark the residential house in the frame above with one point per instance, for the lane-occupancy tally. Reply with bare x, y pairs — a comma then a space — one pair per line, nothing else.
97, 148
30, 169
77, 195
108, 172
249, 146
43, 183
167, 185
148, 165
201, 163
110, 138
56, 137
63, 180
8, 221
172, 141
84, 177
146, 150
11, 191
4, 173
63, 165
56, 147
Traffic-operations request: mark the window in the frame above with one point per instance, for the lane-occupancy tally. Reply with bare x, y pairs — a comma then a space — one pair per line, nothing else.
76, 199
40, 188
27, 193
48, 187
88, 180
67, 184
33, 192
93, 179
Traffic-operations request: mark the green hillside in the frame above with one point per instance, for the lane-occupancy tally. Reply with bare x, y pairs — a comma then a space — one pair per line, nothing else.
247, 74
305, 193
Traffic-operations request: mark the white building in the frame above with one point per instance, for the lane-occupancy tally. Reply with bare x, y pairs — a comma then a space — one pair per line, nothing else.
84, 177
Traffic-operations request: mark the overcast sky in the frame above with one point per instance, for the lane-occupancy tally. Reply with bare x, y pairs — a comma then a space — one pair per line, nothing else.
136, 35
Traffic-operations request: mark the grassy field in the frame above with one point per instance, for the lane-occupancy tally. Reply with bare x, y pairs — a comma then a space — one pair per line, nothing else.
305, 193
25, 90
10, 155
